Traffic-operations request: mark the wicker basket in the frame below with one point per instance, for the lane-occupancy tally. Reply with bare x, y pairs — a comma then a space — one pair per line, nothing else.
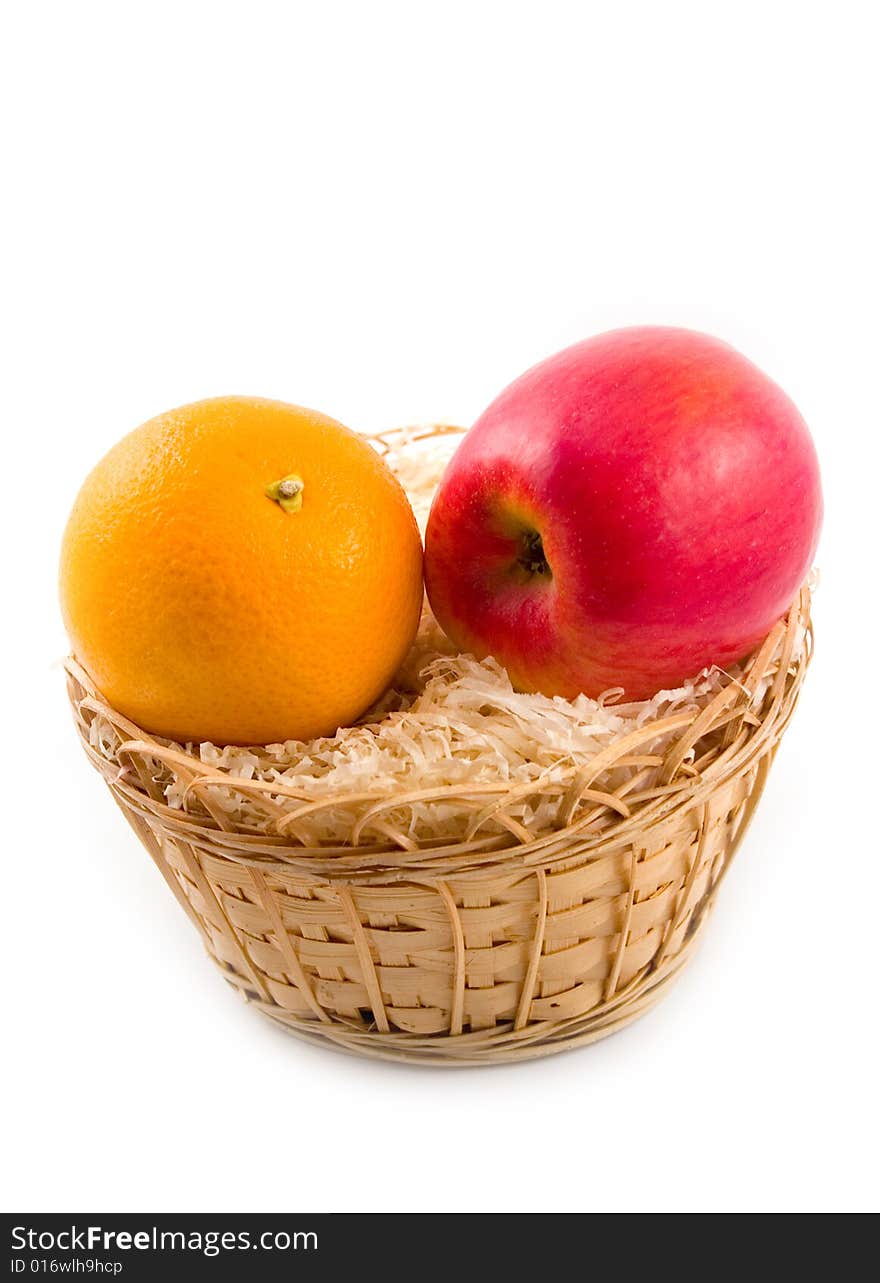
501, 947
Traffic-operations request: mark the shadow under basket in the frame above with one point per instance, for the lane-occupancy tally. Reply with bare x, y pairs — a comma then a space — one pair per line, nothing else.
498, 948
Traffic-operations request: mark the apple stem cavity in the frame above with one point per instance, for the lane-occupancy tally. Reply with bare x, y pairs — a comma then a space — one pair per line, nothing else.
532, 559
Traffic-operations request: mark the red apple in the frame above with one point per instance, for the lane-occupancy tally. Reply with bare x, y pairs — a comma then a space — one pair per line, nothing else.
638, 507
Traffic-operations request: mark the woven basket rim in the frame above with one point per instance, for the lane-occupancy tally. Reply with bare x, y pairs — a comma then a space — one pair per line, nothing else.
739, 729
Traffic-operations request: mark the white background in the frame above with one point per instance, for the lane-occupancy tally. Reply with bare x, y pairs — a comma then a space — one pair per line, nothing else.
387, 211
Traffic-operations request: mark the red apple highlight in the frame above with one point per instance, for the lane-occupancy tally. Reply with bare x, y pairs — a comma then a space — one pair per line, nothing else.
638, 507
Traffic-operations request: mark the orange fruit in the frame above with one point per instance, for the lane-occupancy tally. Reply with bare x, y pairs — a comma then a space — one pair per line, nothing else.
242, 571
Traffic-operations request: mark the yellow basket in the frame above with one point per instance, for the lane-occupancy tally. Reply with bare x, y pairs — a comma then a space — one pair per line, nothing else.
501, 947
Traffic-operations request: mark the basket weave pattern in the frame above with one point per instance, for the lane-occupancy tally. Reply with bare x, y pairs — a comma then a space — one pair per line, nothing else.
504, 946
